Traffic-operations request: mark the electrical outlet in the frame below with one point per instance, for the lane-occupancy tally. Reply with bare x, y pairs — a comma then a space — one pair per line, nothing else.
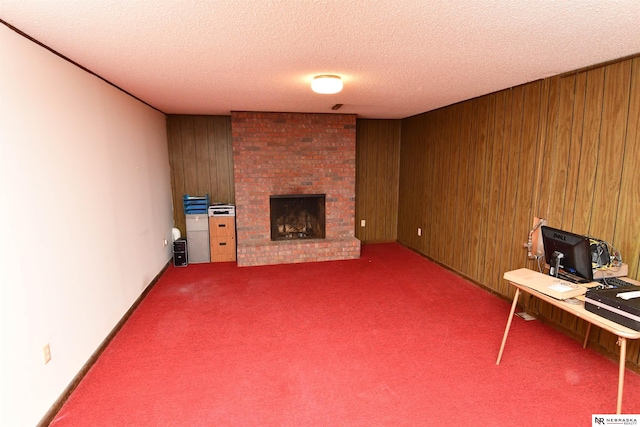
46, 353
363, 222
164, 242
419, 231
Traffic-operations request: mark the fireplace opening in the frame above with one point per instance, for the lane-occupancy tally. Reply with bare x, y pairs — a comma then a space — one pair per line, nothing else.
297, 216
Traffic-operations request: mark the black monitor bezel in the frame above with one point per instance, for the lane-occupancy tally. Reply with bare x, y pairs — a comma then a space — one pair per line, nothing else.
576, 249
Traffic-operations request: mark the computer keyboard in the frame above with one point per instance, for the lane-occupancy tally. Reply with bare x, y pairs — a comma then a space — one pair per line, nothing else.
613, 282
571, 277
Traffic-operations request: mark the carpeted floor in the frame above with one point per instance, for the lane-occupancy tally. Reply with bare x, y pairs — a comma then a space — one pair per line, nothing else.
390, 339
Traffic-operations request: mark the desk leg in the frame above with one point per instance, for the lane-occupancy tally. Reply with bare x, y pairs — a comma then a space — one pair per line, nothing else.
506, 331
623, 359
586, 337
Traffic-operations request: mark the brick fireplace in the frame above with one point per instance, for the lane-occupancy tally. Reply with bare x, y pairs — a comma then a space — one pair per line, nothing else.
279, 154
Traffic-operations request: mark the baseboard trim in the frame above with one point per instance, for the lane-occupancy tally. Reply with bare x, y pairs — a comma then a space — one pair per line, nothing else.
457, 273
377, 241
51, 413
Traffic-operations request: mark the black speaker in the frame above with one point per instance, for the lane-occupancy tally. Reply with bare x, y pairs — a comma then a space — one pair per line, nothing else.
180, 253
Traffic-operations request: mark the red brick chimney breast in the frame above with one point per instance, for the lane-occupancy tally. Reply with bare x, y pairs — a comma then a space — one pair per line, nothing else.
294, 153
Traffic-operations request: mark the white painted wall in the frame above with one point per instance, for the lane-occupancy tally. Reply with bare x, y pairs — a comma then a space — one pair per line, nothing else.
85, 203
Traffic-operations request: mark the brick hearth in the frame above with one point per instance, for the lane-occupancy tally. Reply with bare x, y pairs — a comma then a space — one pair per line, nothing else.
291, 153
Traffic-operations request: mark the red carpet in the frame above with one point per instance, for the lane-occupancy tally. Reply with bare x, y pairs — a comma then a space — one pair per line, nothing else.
387, 340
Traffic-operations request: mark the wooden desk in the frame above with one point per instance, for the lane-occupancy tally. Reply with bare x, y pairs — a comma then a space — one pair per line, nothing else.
520, 278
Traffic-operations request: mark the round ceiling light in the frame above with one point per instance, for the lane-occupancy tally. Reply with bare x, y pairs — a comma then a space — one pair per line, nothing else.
326, 84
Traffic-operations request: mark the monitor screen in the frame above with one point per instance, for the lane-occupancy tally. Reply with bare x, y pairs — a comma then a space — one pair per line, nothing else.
570, 251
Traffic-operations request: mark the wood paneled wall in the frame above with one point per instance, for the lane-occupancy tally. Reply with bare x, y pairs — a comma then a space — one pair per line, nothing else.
377, 169
201, 157
473, 175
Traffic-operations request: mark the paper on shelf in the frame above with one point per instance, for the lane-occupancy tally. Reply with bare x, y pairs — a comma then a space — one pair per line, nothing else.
561, 288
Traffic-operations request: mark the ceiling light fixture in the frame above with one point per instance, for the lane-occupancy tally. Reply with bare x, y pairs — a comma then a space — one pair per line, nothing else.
326, 84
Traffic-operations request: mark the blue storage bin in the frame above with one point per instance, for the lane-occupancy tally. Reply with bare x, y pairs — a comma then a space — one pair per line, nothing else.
195, 204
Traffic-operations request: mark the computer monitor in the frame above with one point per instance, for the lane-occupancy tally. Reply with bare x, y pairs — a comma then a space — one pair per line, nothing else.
567, 252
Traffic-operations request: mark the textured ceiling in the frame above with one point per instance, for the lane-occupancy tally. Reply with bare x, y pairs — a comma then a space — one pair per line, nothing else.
397, 58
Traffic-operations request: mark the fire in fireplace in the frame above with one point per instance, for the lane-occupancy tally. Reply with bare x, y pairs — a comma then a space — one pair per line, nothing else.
297, 216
